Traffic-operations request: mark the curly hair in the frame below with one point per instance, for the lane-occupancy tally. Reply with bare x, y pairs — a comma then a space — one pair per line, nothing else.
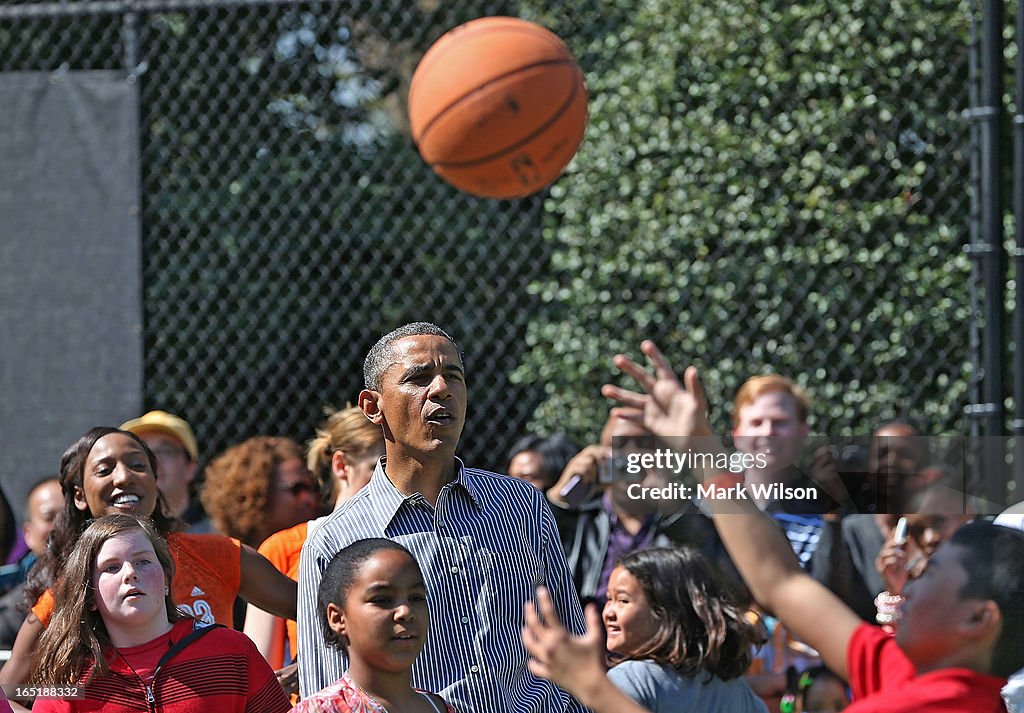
237, 485
700, 625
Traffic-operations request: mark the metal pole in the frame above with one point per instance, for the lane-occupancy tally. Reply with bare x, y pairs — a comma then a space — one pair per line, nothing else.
974, 226
973, 453
130, 34
993, 261
23, 10
1018, 268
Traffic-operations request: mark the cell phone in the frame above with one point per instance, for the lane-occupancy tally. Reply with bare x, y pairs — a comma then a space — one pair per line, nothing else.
899, 534
610, 469
575, 491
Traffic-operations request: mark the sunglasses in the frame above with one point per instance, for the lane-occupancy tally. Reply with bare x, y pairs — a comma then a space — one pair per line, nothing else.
297, 489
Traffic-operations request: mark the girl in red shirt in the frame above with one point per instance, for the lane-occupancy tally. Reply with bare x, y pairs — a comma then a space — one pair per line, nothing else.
107, 471
116, 642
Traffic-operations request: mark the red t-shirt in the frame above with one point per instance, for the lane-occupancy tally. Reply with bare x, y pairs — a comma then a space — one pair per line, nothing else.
207, 574
221, 671
885, 681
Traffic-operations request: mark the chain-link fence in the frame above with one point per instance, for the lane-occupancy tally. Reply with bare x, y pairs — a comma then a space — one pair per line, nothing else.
764, 186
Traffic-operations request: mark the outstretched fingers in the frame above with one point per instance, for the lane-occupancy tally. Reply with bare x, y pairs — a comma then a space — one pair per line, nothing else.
541, 633
631, 400
662, 369
640, 375
691, 381
595, 627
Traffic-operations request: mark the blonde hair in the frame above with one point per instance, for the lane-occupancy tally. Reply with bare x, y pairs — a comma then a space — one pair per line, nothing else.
346, 430
757, 386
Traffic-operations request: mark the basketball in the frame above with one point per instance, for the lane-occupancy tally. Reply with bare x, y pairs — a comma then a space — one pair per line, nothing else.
498, 107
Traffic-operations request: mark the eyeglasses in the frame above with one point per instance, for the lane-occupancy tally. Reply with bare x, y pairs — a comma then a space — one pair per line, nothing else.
298, 488
168, 452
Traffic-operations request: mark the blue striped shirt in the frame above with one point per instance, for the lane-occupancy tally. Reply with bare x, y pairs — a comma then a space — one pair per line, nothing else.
490, 541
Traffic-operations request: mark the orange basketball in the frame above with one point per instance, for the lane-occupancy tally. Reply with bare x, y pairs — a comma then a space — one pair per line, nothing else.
498, 107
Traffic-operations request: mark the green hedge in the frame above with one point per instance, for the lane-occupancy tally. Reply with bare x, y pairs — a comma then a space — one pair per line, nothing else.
765, 187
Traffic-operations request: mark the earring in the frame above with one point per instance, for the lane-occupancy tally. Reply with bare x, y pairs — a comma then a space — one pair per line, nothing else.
167, 591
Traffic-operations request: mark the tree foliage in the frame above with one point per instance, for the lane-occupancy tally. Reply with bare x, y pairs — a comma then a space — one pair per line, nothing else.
765, 187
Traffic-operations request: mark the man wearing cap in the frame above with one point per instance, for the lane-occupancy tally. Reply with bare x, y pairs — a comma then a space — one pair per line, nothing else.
171, 439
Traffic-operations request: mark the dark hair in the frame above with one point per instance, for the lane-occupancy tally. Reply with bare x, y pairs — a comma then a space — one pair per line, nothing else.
76, 634
71, 521
341, 574
814, 674
381, 354
995, 570
700, 625
555, 452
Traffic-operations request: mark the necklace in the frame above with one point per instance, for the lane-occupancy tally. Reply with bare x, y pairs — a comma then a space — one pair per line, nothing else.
372, 700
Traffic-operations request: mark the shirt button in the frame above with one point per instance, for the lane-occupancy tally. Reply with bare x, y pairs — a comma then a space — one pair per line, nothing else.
474, 669
465, 620
455, 570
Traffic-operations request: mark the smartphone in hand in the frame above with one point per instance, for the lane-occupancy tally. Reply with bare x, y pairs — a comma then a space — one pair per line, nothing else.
575, 491
899, 533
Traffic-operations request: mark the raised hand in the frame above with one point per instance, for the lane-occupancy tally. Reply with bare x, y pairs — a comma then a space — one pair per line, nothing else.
556, 654
666, 407
576, 663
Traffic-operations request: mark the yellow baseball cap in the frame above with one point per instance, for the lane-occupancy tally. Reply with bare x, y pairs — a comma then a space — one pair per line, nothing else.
163, 422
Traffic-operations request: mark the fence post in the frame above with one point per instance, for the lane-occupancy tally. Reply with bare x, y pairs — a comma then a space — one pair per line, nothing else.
993, 261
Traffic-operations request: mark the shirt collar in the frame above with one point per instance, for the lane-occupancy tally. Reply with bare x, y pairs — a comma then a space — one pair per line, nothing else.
470, 483
386, 499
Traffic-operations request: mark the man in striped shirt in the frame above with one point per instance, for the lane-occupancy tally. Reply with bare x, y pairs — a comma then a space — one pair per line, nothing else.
484, 541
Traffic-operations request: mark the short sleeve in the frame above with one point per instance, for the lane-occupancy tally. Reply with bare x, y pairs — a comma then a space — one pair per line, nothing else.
875, 661
282, 549
43, 608
635, 679
208, 573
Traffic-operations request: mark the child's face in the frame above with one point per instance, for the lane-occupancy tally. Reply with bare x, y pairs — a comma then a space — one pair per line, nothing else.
826, 695
385, 616
129, 581
627, 614
932, 610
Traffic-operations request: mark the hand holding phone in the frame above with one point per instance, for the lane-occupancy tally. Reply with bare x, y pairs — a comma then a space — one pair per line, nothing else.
579, 478
899, 533
575, 491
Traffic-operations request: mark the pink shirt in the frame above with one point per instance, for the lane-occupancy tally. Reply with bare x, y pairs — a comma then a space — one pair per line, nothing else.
344, 696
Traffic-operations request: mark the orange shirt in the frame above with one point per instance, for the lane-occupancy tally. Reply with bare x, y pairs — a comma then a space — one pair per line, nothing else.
207, 574
283, 549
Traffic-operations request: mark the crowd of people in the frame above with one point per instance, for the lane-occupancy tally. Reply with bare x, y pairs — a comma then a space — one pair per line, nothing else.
374, 571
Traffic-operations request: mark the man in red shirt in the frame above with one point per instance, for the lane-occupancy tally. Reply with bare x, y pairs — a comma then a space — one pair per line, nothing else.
958, 631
